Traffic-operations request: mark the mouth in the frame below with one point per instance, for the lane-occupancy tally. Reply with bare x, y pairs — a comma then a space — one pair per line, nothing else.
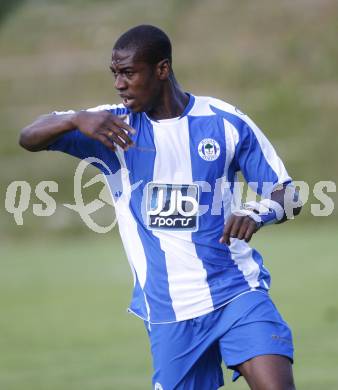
127, 100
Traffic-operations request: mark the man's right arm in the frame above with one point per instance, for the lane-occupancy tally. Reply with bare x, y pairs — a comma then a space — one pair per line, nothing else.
103, 126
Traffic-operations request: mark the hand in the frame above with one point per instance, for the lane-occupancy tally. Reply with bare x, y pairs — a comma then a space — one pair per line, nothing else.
104, 126
238, 226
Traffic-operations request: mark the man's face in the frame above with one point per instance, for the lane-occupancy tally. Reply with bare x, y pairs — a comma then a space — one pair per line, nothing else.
135, 80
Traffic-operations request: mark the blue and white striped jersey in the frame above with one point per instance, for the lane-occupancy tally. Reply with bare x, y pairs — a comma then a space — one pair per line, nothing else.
174, 200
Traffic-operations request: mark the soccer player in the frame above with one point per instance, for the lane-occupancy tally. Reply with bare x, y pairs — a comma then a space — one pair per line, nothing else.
201, 290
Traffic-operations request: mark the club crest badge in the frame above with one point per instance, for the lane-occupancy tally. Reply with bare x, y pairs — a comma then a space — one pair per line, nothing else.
209, 149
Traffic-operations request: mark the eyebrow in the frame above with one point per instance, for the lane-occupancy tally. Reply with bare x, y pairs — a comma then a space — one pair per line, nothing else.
123, 69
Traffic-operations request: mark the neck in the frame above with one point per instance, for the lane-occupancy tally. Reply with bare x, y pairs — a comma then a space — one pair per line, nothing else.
171, 103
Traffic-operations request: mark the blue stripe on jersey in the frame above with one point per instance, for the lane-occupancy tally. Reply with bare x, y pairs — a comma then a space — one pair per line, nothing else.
223, 276
119, 111
189, 105
249, 157
211, 226
139, 305
231, 175
140, 163
79, 145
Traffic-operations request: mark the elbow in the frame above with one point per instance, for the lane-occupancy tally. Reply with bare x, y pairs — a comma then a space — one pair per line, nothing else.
25, 141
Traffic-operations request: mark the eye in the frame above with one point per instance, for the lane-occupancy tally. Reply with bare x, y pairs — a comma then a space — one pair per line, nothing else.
129, 73
113, 71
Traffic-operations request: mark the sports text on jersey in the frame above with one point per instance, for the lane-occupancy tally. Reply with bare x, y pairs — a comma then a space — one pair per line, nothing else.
172, 206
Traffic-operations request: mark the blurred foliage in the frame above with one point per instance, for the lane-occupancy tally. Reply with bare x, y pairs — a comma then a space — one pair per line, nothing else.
7, 7
278, 61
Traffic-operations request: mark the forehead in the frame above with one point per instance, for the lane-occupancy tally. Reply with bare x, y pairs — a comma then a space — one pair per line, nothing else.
122, 56
125, 57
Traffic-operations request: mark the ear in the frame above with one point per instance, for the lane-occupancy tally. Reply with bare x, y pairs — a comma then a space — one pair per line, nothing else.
163, 69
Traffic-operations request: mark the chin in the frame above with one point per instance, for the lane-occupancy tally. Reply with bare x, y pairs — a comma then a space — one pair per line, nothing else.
133, 107
137, 109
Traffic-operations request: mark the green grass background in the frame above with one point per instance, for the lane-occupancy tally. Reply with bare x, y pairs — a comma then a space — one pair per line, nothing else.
63, 323
63, 288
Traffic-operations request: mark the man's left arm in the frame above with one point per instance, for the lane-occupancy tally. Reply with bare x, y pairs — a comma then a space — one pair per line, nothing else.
283, 204
262, 168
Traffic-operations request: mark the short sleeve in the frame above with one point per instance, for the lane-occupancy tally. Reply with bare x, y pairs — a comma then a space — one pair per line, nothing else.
257, 159
79, 145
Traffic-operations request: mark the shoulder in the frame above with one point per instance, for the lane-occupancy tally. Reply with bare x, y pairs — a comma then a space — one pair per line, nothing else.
237, 120
233, 121
117, 109
212, 106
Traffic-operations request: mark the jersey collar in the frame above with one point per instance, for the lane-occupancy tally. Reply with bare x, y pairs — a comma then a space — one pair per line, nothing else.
184, 113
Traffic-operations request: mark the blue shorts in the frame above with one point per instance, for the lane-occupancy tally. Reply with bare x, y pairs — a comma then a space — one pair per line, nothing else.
188, 354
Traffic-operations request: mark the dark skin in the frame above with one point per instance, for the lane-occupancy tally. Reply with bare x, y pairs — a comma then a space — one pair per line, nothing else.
268, 372
152, 88
243, 228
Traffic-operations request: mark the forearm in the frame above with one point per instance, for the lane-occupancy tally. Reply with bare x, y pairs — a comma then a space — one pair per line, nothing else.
288, 198
283, 204
45, 130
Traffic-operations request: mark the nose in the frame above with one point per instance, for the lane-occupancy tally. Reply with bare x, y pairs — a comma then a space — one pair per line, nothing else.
120, 82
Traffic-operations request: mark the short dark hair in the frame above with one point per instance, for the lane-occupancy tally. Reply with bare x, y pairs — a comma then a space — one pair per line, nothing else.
151, 43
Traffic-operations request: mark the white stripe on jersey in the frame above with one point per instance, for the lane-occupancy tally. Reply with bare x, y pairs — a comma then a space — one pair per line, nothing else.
187, 277
128, 231
105, 107
241, 254
231, 140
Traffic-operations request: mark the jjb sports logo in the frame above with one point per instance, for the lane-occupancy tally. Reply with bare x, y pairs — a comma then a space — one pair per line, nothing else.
172, 207
209, 149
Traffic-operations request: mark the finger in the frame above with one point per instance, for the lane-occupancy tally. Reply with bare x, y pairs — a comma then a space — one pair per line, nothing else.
118, 141
238, 220
119, 133
106, 142
226, 231
120, 123
243, 228
252, 228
